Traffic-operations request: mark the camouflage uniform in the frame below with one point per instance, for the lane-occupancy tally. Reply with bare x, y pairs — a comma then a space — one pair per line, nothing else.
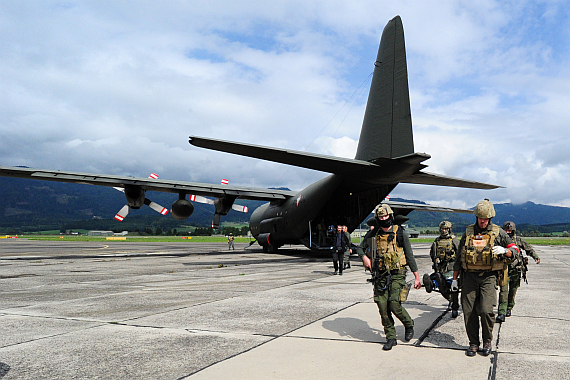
509, 290
443, 263
485, 250
479, 290
387, 295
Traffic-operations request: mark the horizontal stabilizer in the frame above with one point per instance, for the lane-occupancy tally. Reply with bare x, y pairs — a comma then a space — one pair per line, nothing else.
422, 178
423, 207
321, 162
381, 170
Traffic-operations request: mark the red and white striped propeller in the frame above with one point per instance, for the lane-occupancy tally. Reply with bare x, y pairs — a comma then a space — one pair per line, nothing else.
200, 199
123, 212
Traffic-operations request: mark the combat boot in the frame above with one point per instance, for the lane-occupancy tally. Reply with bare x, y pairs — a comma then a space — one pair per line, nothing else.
500, 318
428, 283
389, 344
508, 313
472, 350
486, 349
409, 334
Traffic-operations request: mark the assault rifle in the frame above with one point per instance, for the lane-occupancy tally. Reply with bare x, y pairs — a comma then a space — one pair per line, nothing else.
374, 261
524, 265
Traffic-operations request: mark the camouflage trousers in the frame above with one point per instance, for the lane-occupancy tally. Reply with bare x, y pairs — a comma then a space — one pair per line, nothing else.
387, 298
478, 299
347, 256
509, 291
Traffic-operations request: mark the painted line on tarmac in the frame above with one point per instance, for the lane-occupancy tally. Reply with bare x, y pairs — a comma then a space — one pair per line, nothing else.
420, 340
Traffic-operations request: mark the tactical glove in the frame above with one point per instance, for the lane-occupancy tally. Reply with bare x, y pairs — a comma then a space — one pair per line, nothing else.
454, 286
499, 251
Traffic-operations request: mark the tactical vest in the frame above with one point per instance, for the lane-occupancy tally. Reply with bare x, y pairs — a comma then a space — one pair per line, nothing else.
477, 255
517, 259
390, 255
444, 249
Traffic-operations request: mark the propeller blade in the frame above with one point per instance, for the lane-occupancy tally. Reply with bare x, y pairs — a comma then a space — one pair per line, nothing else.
155, 206
122, 213
216, 221
199, 199
239, 208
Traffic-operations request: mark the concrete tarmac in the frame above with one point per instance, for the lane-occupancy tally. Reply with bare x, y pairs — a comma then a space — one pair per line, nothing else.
196, 311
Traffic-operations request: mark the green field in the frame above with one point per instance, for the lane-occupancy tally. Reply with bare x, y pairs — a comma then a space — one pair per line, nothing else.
238, 239
530, 240
138, 239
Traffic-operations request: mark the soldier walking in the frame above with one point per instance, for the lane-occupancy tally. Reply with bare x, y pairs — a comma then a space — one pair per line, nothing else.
231, 242
340, 245
443, 253
483, 252
517, 270
392, 253
347, 251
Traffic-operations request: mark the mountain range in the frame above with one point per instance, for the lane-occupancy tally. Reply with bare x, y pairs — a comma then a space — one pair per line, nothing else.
29, 205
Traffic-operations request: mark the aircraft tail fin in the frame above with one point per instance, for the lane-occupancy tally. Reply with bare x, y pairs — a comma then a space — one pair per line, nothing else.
387, 126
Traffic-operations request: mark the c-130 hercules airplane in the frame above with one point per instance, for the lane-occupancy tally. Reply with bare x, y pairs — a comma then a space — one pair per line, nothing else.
384, 158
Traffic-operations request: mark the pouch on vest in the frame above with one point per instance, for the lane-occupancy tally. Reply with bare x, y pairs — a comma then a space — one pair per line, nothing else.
444, 250
404, 291
477, 254
392, 255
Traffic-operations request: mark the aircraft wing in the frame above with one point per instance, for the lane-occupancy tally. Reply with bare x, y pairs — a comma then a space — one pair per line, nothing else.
149, 184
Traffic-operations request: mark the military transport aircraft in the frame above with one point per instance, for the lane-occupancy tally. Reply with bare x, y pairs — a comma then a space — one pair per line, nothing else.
384, 158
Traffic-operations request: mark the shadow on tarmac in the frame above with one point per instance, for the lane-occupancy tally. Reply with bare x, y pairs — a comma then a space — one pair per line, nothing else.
4, 368
359, 329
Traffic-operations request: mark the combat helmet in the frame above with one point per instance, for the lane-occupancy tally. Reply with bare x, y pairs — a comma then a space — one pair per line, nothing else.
382, 210
445, 224
509, 226
484, 209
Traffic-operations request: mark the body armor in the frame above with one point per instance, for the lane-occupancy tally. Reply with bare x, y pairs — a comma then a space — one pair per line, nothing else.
477, 255
518, 261
390, 256
444, 249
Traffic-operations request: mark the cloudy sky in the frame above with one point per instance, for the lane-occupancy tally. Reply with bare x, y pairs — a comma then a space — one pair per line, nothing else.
117, 87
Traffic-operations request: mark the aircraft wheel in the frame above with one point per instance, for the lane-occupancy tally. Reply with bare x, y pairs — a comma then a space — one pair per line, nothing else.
428, 284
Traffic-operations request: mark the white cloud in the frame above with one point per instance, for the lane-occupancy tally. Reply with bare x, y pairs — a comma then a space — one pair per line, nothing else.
112, 88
